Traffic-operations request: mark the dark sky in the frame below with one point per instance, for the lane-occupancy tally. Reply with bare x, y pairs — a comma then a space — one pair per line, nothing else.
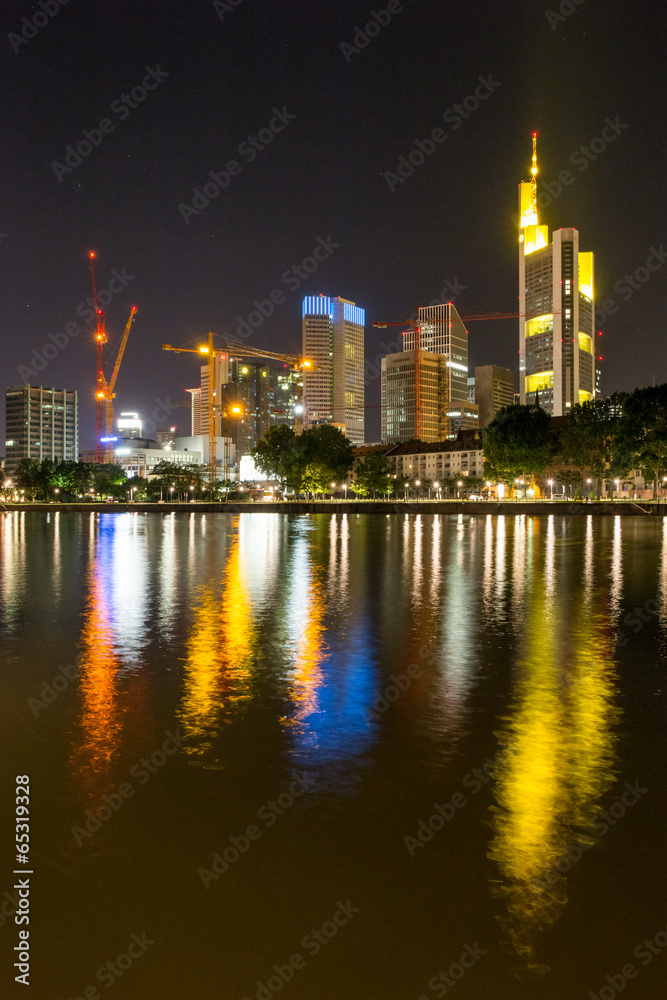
223, 70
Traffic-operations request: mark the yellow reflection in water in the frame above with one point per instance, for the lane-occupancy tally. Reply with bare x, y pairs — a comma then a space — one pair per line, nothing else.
219, 655
556, 761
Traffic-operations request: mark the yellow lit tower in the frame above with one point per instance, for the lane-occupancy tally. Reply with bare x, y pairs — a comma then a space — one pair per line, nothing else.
557, 310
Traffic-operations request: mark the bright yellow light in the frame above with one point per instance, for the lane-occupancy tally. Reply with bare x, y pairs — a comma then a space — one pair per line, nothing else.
541, 380
203, 350
584, 396
539, 324
536, 237
586, 274
245, 371
306, 364
585, 343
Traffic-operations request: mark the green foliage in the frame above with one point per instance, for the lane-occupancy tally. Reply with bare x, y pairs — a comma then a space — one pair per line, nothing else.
305, 462
516, 444
643, 435
373, 475
591, 435
40, 480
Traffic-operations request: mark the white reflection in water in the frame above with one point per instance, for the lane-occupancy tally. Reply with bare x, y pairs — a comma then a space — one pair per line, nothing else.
550, 556
436, 529
169, 583
487, 580
519, 555
588, 550
13, 554
662, 583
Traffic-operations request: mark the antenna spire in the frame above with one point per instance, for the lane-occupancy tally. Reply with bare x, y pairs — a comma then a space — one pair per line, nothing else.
533, 178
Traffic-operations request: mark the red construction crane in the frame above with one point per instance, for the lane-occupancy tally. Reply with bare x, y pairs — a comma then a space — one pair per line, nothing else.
104, 393
100, 341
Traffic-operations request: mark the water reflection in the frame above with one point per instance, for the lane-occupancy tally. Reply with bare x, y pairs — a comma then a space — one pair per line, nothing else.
219, 654
557, 750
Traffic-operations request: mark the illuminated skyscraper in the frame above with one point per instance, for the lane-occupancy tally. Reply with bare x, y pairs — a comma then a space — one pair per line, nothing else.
333, 337
41, 423
425, 392
557, 310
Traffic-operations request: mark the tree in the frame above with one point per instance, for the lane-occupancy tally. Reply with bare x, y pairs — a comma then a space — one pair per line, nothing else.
642, 434
373, 474
589, 437
516, 444
275, 455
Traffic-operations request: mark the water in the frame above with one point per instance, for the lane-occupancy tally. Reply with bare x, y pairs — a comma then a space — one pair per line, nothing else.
401, 737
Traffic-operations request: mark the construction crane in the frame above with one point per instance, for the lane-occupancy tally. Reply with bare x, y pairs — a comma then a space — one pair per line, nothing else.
104, 393
100, 341
296, 361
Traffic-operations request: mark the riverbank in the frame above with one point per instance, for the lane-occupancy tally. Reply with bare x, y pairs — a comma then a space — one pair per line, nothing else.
513, 508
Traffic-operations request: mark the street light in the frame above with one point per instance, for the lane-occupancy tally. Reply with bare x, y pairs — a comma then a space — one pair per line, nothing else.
436, 486
551, 484
617, 481
459, 484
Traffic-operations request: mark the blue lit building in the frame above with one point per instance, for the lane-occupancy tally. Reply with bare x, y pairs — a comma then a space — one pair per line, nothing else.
333, 337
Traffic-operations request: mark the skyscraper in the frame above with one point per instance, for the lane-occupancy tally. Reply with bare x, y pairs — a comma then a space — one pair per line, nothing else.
425, 388
557, 310
333, 337
494, 389
41, 423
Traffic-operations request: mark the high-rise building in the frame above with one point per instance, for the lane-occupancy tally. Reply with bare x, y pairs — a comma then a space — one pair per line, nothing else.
41, 423
129, 426
333, 338
557, 310
425, 388
494, 389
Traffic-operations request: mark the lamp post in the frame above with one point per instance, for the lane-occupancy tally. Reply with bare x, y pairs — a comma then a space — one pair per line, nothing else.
344, 491
551, 484
436, 487
589, 481
459, 484
191, 494
618, 484
333, 487
56, 491
406, 491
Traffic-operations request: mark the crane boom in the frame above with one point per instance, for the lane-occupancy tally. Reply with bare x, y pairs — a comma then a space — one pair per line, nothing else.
121, 350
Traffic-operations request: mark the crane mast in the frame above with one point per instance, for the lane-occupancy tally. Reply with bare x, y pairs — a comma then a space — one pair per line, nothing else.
100, 341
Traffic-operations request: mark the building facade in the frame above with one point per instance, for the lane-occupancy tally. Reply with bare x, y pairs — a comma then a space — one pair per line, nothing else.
425, 388
41, 423
557, 364
494, 389
461, 458
333, 338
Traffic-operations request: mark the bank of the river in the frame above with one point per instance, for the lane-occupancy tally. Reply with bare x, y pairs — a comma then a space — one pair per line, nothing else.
640, 508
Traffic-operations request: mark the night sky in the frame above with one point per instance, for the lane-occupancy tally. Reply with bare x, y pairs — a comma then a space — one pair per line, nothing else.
220, 73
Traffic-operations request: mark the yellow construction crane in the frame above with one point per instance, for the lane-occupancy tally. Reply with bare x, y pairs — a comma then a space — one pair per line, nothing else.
296, 361
106, 393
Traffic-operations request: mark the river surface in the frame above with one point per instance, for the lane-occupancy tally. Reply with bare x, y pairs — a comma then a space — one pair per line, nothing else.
334, 757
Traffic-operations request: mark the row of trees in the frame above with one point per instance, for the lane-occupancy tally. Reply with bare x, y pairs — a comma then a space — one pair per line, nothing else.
48, 479
307, 463
604, 439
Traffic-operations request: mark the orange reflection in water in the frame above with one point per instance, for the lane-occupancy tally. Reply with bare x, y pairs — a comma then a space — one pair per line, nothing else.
556, 762
219, 655
100, 720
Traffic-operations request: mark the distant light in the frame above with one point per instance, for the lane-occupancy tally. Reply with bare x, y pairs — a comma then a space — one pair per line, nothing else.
106, 439
203, 350
298, 408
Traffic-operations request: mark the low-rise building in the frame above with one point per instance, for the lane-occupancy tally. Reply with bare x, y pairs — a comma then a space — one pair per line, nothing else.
441, 460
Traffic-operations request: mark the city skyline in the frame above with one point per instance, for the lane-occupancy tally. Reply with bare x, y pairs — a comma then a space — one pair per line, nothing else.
400, 221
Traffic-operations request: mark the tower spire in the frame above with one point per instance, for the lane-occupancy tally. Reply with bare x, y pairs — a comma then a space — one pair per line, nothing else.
533, 178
